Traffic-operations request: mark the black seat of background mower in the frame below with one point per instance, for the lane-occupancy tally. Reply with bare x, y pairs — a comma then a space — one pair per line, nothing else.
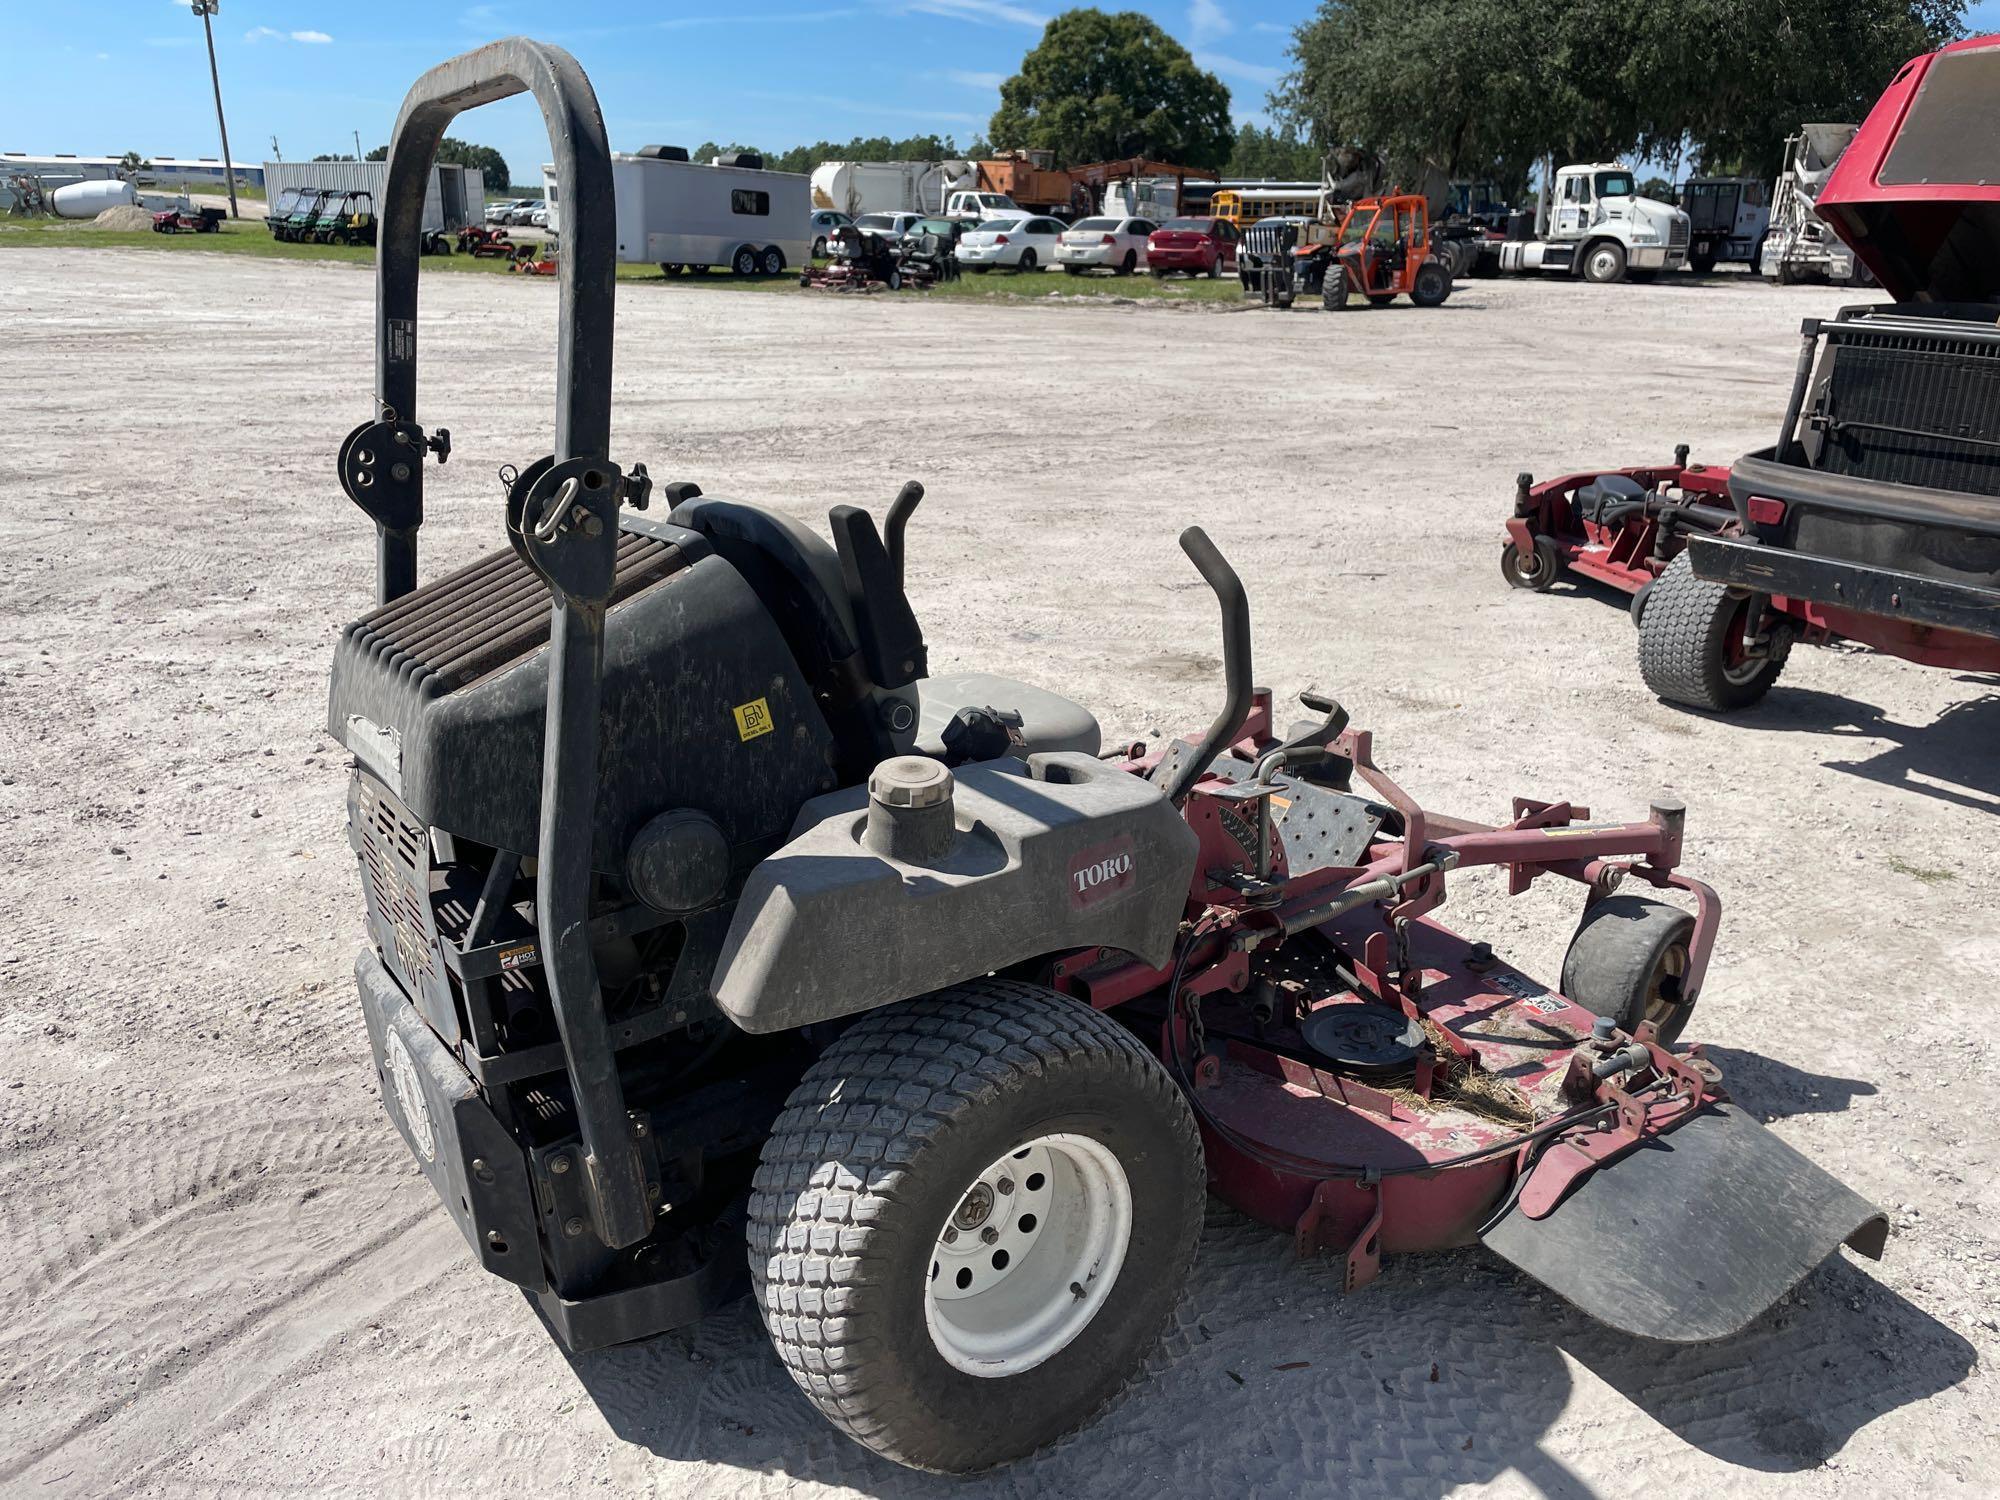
1607, 490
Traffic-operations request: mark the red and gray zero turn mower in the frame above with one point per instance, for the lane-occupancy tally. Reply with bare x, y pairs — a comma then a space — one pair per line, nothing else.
1875, 517
714, 942
859, 260
201, 221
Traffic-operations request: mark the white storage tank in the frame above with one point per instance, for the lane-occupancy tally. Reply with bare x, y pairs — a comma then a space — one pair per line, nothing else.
86, 200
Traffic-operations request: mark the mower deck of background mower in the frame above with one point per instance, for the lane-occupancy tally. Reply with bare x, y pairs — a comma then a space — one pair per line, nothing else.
702, 917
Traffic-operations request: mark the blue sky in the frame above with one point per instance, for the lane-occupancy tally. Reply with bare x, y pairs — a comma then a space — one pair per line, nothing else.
111, 75
117, 75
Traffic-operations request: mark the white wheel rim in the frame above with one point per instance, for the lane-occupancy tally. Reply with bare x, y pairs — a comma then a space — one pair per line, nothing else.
1028, 1255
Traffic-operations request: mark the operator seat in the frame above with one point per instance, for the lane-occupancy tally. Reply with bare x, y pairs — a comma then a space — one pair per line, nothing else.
848, 622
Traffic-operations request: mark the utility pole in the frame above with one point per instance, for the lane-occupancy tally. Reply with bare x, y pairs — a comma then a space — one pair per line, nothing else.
276, 154
357, 145
206, 9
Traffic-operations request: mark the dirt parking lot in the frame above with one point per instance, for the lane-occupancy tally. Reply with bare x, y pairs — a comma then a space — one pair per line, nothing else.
226, 1277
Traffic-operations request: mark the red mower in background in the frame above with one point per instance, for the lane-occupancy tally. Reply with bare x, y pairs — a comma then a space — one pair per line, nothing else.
481, 243
201, 221
1875, 517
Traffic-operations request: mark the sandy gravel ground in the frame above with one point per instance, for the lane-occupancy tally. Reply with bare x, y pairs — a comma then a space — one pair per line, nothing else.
225, 1278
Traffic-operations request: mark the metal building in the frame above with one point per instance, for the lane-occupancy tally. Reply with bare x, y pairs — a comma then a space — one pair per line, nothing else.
455, 196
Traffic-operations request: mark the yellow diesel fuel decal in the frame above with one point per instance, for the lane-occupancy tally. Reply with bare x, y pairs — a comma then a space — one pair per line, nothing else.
752, 719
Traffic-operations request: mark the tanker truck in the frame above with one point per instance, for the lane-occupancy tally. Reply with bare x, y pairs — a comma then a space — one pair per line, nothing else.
868, 187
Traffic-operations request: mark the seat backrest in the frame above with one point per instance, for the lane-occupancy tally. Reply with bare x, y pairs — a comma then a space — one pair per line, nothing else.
794, 572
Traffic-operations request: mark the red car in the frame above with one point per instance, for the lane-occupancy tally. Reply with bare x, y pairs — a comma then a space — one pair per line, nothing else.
1200, 247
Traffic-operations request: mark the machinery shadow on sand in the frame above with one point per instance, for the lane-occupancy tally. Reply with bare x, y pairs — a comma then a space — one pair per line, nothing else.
1951, 758
1448, 1372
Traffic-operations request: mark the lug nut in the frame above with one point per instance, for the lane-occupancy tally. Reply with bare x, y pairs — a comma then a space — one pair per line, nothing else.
989, 1234
1006, 1184
950, 1235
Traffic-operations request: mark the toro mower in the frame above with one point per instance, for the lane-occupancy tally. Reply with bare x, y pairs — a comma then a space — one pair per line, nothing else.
482, 243
201, 221
1875, 517
713, 942
859, 260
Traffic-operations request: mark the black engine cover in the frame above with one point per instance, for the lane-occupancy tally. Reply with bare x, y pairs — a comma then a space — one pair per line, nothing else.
441, 695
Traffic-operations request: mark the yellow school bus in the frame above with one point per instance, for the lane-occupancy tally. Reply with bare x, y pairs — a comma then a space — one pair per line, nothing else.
1241, 206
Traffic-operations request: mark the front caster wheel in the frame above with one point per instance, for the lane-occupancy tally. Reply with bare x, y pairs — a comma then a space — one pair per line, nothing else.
972, 1221
1537, 574
1627, 961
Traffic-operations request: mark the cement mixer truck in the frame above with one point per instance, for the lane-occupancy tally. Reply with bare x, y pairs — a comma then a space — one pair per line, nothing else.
1799, 245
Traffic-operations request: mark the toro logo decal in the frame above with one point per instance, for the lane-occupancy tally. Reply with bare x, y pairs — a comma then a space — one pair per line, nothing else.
1101, 872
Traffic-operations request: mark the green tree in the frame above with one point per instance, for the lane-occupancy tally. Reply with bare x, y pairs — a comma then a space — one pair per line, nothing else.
1278, 154
1486, 87
132, 161
1101, 87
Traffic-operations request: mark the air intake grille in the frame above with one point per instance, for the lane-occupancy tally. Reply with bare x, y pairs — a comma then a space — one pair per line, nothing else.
395, 852
485, 616
1912, 408
1677, 235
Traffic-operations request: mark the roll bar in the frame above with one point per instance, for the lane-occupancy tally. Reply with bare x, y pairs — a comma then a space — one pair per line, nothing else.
563, 522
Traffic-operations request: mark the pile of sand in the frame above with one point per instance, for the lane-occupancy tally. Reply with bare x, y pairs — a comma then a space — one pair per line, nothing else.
124, 216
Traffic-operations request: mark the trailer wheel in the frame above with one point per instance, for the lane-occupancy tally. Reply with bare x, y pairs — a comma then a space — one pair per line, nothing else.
1604, 262
1537, 576
744, 262
1432, 286
972, 1221
773, 261
1627, 961
1692, 643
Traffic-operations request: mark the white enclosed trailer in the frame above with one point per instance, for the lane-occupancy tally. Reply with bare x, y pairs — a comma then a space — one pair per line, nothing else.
679, 214
869, 187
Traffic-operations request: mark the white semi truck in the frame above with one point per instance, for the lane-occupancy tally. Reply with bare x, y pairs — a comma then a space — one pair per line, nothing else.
683, 215
855, 188
1591, 221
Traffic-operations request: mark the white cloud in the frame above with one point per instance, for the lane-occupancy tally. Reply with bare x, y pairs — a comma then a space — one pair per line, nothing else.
980, 12
1235, 67
974, 80
1271, 28
1207, 20
272, 34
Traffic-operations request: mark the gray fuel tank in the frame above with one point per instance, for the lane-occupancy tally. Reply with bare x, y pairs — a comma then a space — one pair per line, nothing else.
1058, 852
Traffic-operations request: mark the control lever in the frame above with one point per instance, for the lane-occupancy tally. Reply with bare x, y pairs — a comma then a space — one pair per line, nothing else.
904, 506
1312, 746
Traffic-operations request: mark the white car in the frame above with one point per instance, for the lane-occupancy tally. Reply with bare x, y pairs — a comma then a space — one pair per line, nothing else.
502, 212
1026, 244
1105, 245
889, 226
539, 219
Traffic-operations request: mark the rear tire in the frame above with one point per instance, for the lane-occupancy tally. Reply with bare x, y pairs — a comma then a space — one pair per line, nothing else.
1627, 960
744, 262
1028, 261
772, 262
1334, 291
1690, 641
1432, 286
907, 1129
1072, 270
1538, 576
1702, 263
1129, 264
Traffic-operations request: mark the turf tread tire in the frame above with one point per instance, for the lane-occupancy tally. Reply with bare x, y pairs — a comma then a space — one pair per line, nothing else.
1683, 643
1608, 967
881, 1099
